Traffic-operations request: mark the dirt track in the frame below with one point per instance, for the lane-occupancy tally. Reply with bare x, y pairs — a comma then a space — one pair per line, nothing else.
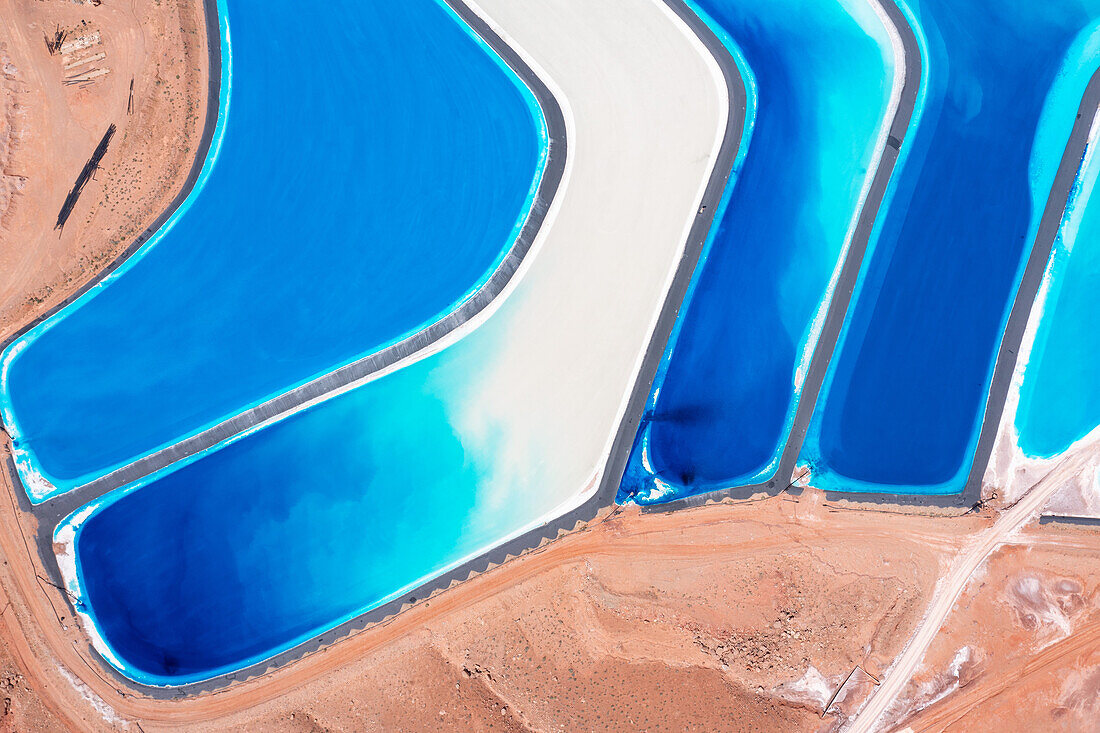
741, 598
1014, 518
1054, 659
1028, 622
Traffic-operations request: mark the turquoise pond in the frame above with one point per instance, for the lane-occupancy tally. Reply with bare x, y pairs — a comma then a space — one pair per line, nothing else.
1060, 392
902, 407
370, 494
821, 75
336, 213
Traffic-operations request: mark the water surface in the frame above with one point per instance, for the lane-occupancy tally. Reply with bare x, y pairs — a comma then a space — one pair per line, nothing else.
1060, 393
280, 534
288, 532
724, 398
375, 162
902, 408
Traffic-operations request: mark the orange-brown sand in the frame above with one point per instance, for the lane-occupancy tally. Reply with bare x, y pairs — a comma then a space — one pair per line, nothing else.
727, 617
1021, 650
48, 130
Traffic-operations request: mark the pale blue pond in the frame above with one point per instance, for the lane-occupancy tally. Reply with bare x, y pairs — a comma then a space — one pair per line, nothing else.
375, 162
1060, 392
233, 556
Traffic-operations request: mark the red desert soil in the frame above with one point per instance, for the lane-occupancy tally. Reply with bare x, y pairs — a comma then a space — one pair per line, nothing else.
728, 617
48, 130
1021, 650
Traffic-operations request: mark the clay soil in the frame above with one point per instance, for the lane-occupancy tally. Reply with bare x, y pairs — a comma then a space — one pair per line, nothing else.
49, 129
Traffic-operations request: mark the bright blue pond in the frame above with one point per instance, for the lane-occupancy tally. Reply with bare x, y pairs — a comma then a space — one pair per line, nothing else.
1060, 393
725, 395
904, 404
377, 160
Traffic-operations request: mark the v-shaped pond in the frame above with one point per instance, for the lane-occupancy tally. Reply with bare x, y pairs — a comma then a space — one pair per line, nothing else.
374, 162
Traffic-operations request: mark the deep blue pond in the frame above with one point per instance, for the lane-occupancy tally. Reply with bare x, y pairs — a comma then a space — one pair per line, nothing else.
903, 405
724, 398
376, 161
186, 577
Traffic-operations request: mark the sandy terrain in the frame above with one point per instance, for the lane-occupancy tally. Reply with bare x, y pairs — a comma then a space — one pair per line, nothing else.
965, 567
727, 617
759, 609
1022, 649
48, 130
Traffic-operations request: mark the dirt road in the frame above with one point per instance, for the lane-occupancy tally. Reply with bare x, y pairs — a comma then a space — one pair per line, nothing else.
948, 590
